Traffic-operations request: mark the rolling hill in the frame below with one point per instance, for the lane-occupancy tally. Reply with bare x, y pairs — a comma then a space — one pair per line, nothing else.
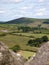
20, 21
29, 22
26, 20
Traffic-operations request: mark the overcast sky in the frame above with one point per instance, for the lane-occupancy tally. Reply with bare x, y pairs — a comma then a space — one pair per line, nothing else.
12, 9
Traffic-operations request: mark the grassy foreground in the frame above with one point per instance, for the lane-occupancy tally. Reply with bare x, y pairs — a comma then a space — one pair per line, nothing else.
26, 54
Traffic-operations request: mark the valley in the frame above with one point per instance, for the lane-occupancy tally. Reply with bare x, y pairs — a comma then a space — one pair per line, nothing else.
18, 32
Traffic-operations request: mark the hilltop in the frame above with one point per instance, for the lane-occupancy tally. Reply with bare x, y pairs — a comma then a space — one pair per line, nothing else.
26, 20
29, 22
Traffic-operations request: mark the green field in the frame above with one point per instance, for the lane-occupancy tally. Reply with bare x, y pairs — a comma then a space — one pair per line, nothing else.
12, 38
31, 34
26, 54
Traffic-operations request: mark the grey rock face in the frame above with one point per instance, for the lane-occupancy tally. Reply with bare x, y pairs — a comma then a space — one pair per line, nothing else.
42, 56
8, 57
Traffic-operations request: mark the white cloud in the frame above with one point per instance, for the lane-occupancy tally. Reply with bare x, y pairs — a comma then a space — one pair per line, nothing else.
12, 1
2, 12
41, 10
26, 7
48, 3
40, 14
40, 0
17, 1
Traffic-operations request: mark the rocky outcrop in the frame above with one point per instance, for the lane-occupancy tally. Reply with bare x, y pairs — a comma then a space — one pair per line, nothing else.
8, 57
42, 56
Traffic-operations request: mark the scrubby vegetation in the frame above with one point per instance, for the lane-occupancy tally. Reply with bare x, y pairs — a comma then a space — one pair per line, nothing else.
38, 41
16, 48
38, 29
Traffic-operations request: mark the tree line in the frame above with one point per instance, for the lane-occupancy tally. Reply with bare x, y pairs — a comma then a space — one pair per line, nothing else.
29, 29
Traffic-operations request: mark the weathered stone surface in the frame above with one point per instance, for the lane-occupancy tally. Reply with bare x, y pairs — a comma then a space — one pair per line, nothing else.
42, 56
8, 57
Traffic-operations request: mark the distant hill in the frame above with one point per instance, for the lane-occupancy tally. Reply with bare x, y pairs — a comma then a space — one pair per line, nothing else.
26, 20
29, 22
20, 20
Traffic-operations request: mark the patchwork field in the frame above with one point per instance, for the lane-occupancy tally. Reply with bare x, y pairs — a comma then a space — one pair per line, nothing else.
11, 36
11, 40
